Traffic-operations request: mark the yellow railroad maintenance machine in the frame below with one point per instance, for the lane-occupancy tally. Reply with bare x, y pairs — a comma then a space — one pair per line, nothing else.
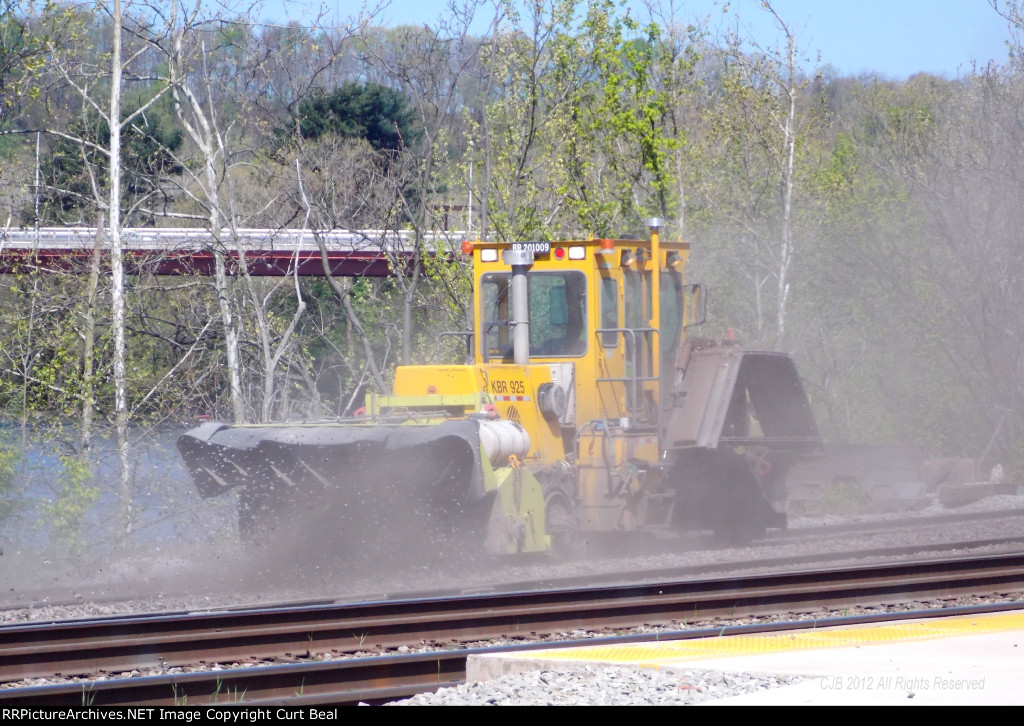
586, 408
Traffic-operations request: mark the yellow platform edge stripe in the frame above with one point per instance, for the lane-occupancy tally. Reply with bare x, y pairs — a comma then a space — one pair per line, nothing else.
834, 637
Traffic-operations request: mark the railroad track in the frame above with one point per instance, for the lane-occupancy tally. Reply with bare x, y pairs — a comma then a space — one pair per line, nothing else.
833, 530
170, 588
294, 633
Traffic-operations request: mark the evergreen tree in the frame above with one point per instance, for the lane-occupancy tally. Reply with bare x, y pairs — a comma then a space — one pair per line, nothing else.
361, 111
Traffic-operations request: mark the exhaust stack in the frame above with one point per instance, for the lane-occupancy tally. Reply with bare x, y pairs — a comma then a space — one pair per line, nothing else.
521, 261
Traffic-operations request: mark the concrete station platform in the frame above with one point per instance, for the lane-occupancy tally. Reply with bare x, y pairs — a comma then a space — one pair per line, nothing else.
958, 660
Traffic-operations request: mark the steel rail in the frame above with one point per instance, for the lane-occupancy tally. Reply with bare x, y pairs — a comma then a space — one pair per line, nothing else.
376, 679
122, 644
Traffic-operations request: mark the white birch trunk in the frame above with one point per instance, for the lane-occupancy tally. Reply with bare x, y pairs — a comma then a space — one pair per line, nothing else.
124, 488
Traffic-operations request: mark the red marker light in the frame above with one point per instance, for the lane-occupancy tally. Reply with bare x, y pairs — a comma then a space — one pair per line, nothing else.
467, 247
431, 390
559, 253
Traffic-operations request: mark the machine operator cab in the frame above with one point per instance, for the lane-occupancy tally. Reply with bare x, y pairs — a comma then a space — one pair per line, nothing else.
612, 312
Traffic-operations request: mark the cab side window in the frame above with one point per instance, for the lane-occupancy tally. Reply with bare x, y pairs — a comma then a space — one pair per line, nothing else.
609, 311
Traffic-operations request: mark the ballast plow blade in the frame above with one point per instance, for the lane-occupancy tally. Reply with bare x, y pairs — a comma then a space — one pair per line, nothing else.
370, 485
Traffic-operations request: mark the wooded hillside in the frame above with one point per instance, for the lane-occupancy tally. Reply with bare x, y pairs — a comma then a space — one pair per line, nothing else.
871, 227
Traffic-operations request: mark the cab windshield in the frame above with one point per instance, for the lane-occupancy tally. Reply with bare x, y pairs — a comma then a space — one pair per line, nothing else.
558, 320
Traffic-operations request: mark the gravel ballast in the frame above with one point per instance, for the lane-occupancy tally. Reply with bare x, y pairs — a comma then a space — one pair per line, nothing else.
596, 685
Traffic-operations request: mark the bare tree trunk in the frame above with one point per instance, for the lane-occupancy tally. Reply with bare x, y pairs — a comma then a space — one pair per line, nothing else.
786, 246
485, 194
341, 289
89, 338
230, 333
117, 284
272, 357
205, 136
408, 300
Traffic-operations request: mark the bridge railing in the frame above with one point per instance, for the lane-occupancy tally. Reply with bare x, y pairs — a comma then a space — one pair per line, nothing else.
157, 239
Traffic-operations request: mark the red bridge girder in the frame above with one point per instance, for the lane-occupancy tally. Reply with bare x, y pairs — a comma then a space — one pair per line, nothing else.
183, 251
272, 263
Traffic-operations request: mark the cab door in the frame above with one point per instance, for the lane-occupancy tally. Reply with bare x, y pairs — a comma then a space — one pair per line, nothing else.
611, 374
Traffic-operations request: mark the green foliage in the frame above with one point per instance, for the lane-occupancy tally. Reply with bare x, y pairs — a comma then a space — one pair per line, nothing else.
10, 461
73, 495
617, 132
369, 111
629, 111
581, 136
10, 144
22, 57
75, 171
39, 358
